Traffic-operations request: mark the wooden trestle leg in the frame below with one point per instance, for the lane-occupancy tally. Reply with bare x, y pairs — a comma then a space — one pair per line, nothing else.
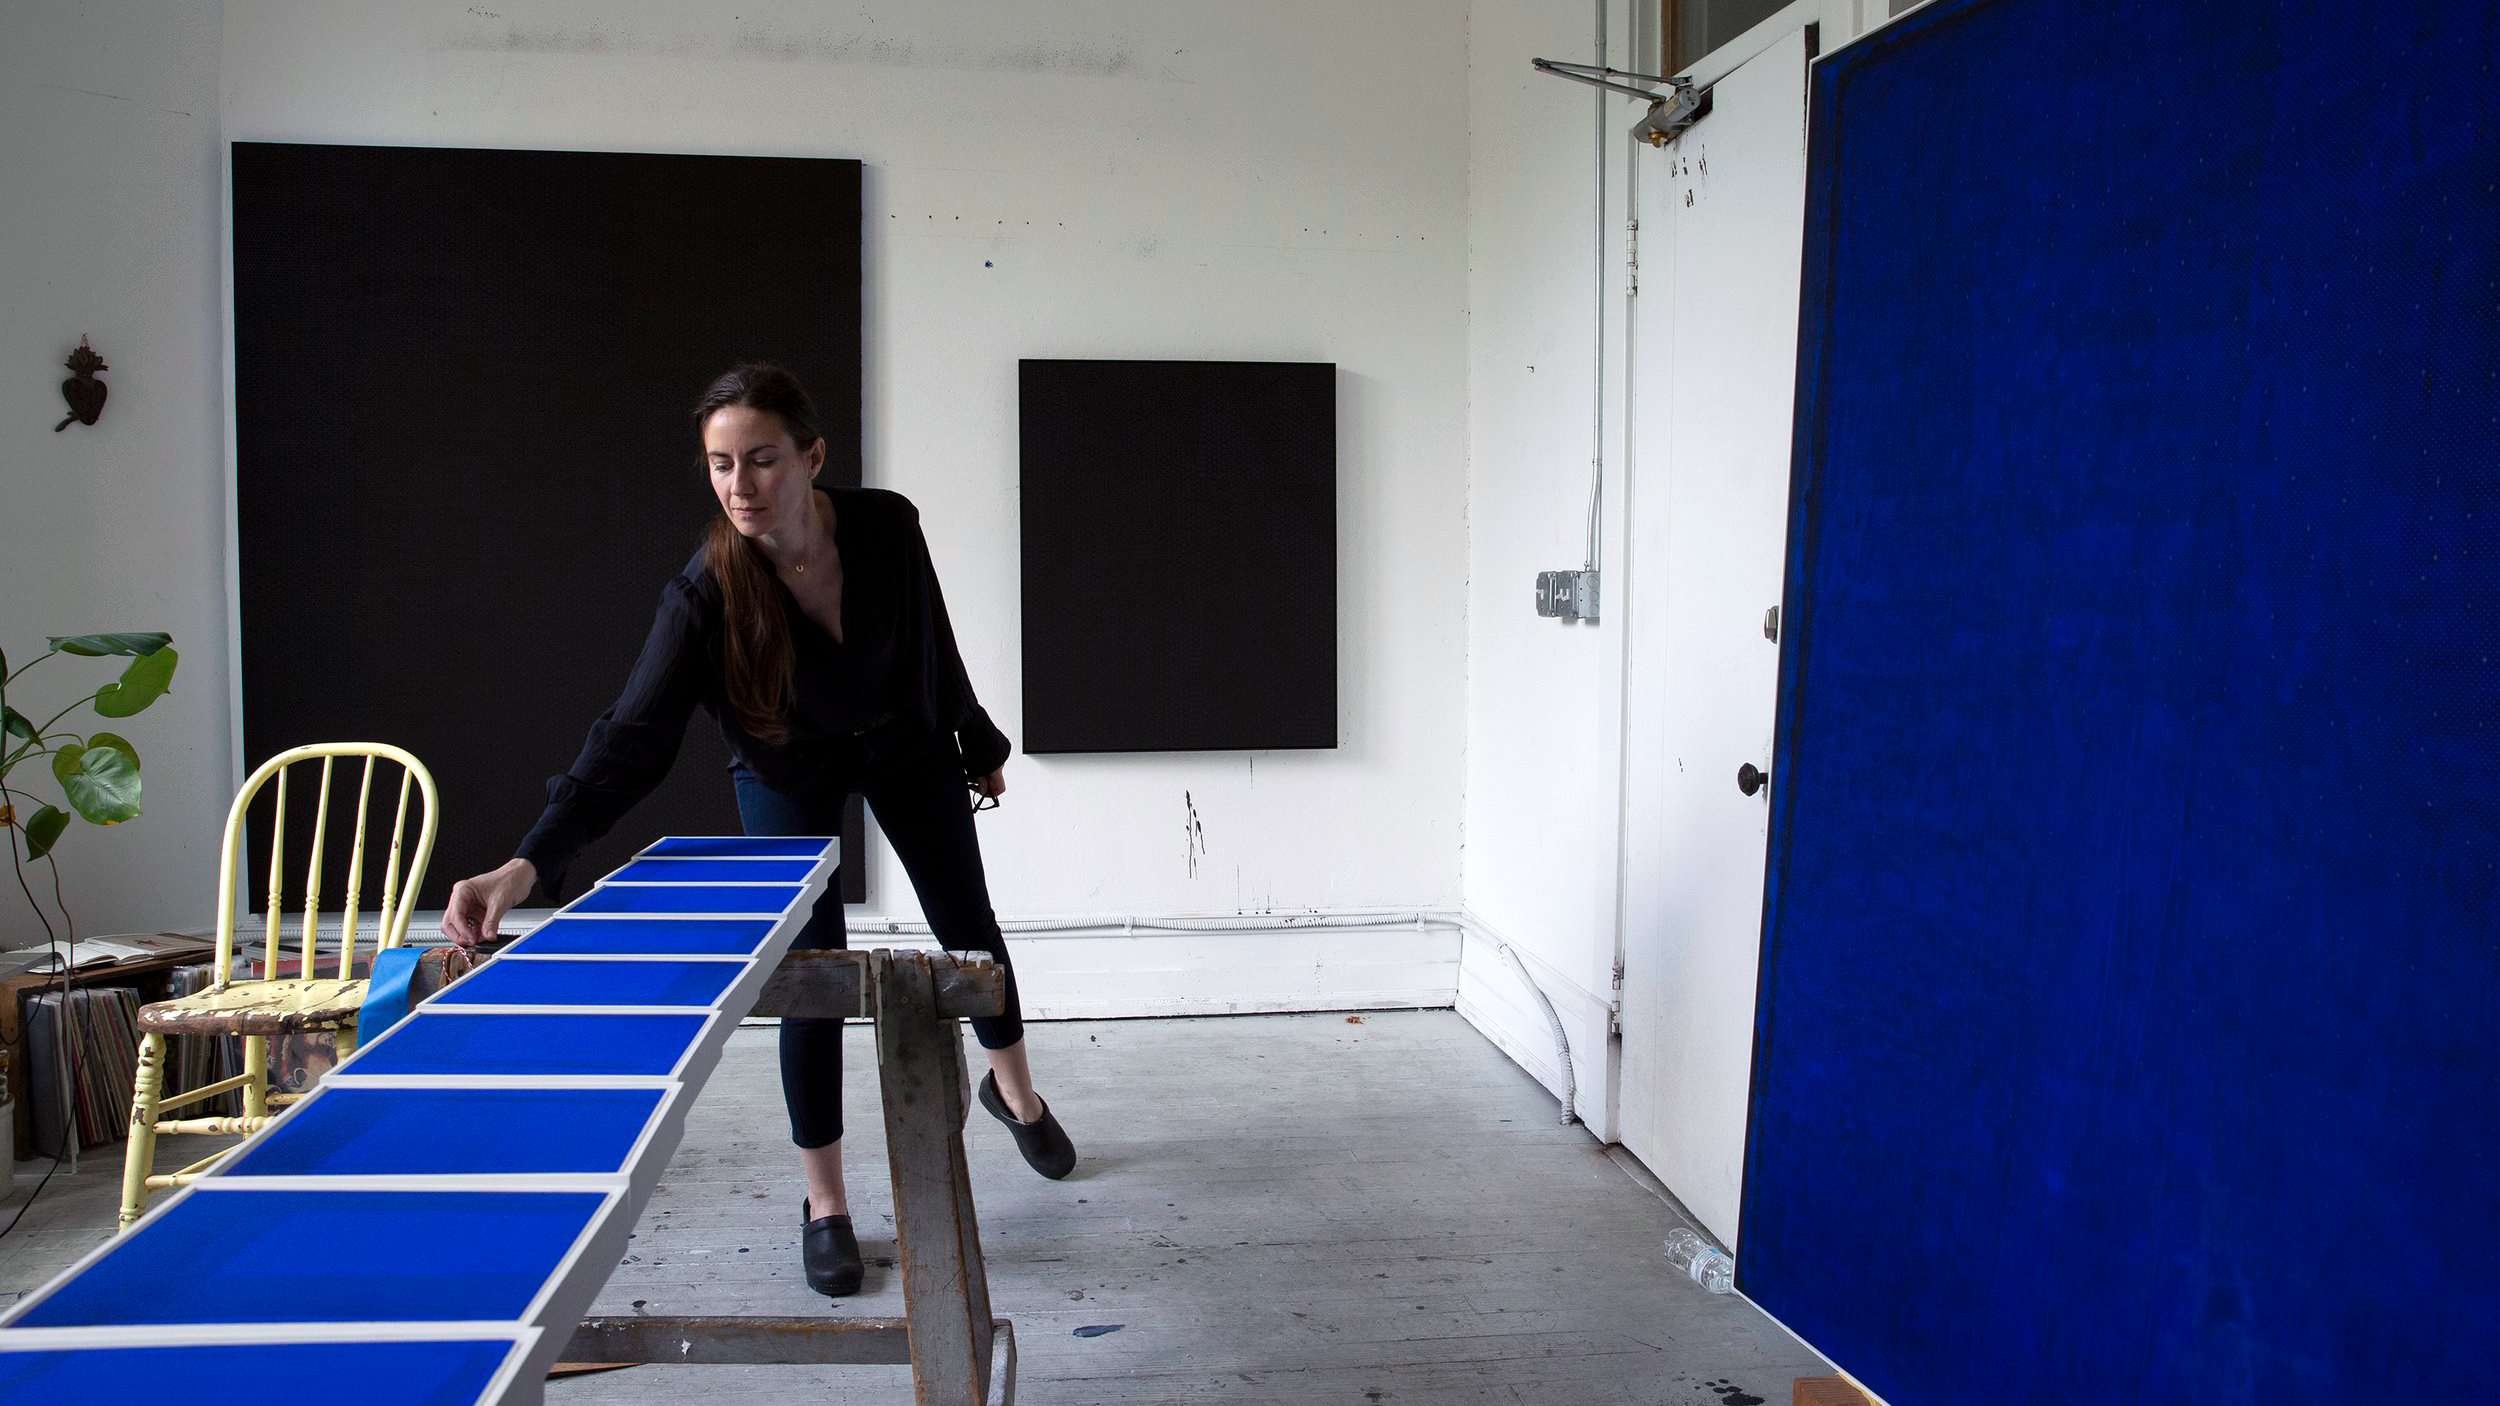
946, 1289
948, 1336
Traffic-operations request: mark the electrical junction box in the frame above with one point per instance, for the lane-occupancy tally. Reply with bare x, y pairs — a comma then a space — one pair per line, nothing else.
1572, 595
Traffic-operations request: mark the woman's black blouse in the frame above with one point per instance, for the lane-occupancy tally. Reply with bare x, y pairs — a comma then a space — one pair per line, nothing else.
897, 658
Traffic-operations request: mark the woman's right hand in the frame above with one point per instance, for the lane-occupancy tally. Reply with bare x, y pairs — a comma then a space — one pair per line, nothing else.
477, 905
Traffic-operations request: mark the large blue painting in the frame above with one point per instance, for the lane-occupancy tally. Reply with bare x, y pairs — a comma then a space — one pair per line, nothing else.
2130, 1011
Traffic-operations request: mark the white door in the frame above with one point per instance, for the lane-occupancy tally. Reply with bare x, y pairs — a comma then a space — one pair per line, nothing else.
1713, 369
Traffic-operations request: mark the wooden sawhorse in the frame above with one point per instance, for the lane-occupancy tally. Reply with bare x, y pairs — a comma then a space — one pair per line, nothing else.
959, 1354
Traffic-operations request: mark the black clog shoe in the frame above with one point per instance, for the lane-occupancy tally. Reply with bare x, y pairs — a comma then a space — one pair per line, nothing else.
831, 1252
1043, 1142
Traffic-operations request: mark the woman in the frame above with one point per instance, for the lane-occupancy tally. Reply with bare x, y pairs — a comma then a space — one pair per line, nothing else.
810, 624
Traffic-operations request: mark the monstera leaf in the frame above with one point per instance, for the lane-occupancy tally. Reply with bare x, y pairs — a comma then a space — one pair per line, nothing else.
100, 776
142, 683
96, 646
44, 831
118, 743
102, 783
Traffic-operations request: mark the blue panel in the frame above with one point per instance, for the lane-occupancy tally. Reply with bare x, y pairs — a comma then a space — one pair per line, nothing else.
648, 898
743, 847
453, 1132
327, 1256
552, 983
713, 871
692, 937
2129, 973
368, 1374
427, 1043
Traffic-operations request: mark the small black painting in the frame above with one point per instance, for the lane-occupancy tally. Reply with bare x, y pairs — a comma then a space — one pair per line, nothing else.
1179, 555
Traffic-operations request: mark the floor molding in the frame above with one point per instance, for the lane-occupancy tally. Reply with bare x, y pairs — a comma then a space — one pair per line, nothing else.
1105, 974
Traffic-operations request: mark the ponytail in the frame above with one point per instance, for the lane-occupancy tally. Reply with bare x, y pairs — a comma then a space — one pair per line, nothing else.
755, 636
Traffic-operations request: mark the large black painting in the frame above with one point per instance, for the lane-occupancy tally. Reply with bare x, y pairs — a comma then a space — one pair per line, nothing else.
1179, 555
464, 465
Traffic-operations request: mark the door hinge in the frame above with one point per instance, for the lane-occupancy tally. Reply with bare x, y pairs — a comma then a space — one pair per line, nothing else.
1632, 258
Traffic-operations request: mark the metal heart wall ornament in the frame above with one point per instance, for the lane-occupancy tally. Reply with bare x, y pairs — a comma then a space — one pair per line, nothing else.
82, 390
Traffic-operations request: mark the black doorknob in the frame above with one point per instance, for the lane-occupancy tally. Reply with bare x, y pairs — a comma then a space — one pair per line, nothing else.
1751, 778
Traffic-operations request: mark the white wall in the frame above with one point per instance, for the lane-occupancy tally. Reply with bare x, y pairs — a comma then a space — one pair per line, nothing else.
1115, 179
1385, 185
1119, 179
1548, 778
109, 216
1544, 696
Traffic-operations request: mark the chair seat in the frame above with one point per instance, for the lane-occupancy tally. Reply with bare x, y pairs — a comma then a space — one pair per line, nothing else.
259, 1008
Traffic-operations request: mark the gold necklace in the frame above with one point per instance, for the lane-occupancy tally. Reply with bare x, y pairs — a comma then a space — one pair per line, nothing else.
800, 569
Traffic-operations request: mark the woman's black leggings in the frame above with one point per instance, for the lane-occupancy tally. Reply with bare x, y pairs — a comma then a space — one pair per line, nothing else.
913, 780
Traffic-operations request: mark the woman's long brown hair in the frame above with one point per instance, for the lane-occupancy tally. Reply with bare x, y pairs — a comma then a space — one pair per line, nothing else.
755, 635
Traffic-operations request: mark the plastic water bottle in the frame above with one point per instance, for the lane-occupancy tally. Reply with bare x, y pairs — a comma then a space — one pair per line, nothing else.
1709, 1266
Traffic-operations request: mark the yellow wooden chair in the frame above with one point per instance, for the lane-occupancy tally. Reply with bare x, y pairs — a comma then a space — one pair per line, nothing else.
260, 1010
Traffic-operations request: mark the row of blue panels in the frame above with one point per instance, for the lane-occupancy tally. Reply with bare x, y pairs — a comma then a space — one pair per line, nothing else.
252, 1255
566, 935
755, 900
239, 1256
449, 1372
713, 871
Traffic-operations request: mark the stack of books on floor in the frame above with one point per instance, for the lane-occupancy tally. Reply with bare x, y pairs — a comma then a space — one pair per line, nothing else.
91, 1089
194, 1060
105, 1026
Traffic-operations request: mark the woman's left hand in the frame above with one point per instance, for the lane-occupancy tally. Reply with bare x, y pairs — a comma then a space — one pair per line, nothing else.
993, 785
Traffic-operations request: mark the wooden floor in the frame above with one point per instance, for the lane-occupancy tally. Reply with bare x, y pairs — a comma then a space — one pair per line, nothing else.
1303, 1209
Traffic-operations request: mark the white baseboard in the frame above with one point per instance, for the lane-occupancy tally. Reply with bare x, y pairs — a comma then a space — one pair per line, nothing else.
1106, 975
1508, 1029
1504, 1010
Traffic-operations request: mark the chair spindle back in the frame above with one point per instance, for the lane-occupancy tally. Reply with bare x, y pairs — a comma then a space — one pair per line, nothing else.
402, 867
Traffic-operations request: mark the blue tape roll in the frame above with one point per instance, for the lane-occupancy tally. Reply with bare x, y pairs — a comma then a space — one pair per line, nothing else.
386, 992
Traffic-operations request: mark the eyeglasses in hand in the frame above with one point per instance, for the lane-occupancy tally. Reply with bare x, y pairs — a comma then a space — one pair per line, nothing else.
981, 802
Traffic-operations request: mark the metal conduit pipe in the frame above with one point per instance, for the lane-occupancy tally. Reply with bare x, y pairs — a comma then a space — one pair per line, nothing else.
1597, 374
1562, 1042
1130, 923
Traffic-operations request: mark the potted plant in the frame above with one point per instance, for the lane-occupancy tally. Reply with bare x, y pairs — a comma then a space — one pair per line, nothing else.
98, 773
